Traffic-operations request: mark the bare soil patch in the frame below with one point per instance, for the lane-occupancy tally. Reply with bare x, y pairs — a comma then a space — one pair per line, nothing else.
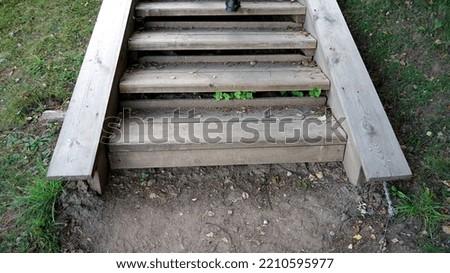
257, 208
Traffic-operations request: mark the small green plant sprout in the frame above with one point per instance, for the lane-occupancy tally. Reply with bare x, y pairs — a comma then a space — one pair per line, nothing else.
315, 92
239, 95
283, 93
227, 96
297, 93
218, 96
222, 96
302, 184
243, 95
437, 25
144, 177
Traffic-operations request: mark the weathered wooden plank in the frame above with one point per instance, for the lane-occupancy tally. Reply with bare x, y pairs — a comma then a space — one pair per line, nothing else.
208, 8
224, 25
371, 135
194, 78
212, 103
101, 170
211, 157
155, 130
225, 59
216, 40
76, 150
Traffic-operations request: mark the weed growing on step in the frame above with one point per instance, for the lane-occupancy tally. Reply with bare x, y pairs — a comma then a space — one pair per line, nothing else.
297, 94
238, 95
315, 92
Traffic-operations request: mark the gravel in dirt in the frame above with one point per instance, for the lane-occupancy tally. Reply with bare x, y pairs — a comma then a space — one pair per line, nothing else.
256, 208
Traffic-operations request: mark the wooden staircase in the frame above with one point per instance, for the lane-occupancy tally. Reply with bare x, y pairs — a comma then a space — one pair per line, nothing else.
188, 48
145, 94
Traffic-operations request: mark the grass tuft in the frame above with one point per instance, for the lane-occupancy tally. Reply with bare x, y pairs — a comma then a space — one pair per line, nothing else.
423, 206
36, 216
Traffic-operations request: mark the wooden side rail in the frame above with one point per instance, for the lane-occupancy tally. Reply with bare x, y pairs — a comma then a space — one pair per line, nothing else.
76, 155
372, 151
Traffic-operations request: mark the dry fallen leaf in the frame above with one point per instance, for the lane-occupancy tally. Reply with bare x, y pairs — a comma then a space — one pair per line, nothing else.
319, 175
446, 229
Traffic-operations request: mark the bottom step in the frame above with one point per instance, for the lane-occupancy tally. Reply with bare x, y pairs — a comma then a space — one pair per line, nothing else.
218, 157
153, 137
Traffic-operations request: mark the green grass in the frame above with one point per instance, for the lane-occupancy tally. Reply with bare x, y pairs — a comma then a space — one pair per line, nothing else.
422, 206
42, 45
27, 199
42, 49
406, 46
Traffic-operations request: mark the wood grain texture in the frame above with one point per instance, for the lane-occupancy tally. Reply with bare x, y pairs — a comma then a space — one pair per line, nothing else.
212, 103
211, 157
100, 178
367, 124
223, 25
224, 59
212, 129
208, 8
76, 150
220, 40
212, 78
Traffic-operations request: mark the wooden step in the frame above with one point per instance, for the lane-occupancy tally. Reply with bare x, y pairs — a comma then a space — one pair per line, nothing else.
187, 104
207, 8
207, 137
261, 58
160, 40
264, 25
220, 77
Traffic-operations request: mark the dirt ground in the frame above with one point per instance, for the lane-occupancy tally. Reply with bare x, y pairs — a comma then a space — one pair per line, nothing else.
257, 208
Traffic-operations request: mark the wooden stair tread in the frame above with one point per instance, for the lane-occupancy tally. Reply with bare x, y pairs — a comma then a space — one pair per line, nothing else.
260, 58
188, 104
225, 157
207, 8
266, 25
220, 40
214, 77
136, 127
